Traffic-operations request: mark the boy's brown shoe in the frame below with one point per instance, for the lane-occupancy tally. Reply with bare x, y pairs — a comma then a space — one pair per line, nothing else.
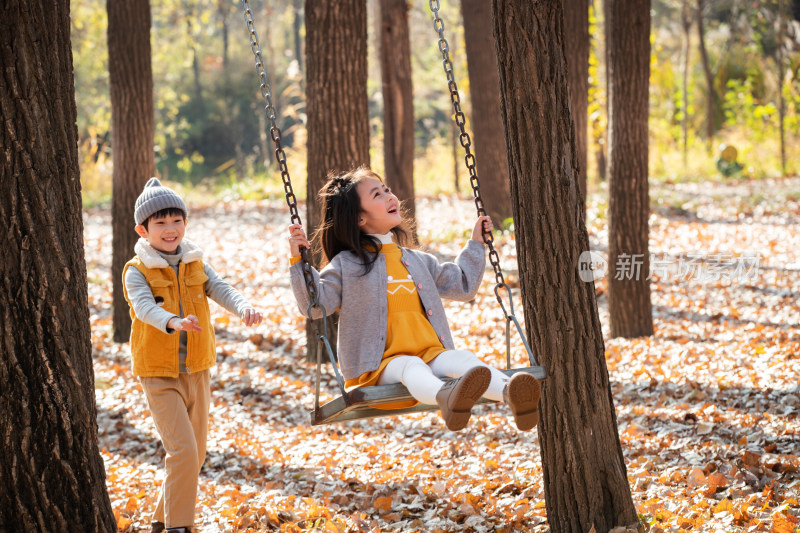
156, 527
522, 396
457, 397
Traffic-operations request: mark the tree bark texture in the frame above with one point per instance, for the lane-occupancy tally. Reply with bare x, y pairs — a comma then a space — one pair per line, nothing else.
398, 102
132, 135
336, 104
584, 471
50, 466
576, 43
487, 122
628, 42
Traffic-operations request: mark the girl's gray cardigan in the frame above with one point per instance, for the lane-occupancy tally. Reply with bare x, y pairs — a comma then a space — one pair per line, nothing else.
361, 298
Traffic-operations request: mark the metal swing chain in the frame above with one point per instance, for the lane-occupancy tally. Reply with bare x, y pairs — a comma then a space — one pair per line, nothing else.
280, 155
469, 159
291, 200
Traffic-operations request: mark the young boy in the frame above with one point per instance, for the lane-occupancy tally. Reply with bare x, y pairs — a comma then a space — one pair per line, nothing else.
167, 285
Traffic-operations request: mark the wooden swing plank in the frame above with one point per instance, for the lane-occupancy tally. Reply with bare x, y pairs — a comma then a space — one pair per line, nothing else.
363, 400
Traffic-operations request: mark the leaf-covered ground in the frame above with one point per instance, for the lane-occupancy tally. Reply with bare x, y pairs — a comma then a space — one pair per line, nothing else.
707, 407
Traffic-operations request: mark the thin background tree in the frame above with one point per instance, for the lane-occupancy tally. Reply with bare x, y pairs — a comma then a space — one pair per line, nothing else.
576, 43
585, 479
686, 24
132, 135
51, 469
336, 96
398, 101
711, 95
484, 95
628, 53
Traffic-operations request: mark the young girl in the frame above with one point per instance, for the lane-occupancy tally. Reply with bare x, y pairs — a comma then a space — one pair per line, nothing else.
392, 324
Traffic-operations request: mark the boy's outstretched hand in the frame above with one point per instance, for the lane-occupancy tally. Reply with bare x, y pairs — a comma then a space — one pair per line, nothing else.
297, 239
483, 223
188, 323
251, 317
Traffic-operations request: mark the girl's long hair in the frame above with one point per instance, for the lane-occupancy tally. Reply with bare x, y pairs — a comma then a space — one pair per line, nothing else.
339, 230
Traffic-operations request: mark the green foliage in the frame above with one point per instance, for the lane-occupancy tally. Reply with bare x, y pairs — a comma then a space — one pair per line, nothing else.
212, 132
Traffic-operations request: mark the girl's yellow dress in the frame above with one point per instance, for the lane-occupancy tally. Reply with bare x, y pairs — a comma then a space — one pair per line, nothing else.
408, 330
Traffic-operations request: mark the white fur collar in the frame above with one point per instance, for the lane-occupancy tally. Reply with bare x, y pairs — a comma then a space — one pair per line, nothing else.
152, 259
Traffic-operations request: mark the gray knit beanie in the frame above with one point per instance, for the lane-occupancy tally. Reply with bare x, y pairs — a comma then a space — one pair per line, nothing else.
154, 198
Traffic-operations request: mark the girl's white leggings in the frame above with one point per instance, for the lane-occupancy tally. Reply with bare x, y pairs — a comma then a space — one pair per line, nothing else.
422, 379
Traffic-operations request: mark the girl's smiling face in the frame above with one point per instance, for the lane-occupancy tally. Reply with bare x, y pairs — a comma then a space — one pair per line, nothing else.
164, 233
380, 209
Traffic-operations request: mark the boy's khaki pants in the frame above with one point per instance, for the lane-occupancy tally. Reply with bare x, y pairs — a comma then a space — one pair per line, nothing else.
179, 407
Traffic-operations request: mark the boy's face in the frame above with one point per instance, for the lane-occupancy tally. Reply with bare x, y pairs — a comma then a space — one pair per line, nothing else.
164, 233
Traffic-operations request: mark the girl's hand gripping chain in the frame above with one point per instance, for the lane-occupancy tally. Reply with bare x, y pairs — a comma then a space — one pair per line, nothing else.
297, 239
483, 224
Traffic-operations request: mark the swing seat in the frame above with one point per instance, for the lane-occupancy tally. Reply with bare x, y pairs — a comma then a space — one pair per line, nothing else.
361, 402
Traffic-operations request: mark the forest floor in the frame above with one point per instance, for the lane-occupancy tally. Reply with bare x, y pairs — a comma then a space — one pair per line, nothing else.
708, 408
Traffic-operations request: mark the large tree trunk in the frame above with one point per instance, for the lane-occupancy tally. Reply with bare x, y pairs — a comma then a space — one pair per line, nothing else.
132, 134
484, 93
711, 96
51, 470
628, 42
336, 102
584, 471
398, 102
576, 43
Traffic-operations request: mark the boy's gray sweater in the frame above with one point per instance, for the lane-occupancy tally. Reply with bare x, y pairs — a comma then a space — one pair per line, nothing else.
361, 298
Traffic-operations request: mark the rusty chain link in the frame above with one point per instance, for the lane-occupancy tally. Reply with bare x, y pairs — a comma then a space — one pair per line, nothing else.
460, 118
280, 155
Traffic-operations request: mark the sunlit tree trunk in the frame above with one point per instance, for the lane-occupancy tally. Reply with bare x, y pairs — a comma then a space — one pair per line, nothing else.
336, 94
132, 134
398, 101
711, 96
597, 42
297, 24
484, 94
224, 10
454, 154
628, 42
585, 478
576, 43
52, 473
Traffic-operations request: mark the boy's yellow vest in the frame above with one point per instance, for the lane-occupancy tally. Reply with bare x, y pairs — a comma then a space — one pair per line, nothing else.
155, 353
